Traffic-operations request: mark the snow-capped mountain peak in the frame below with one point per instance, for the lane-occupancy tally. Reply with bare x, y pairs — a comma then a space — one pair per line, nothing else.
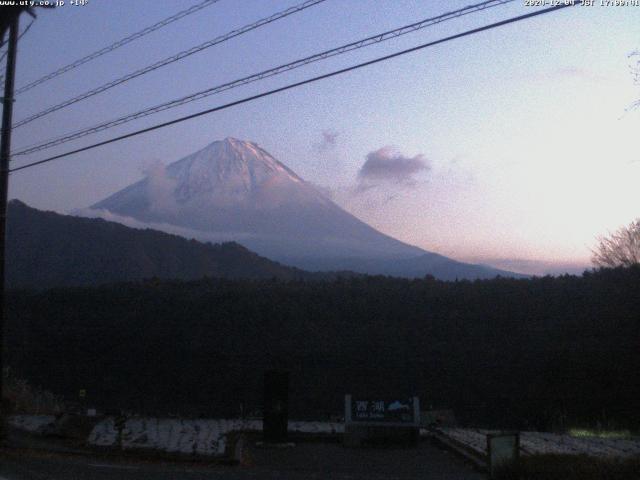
228, 170
234, 190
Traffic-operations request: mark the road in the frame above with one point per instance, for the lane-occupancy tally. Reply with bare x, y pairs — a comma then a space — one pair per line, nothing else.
304, 461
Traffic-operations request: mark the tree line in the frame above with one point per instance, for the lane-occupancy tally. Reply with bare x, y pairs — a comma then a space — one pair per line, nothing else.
536, 353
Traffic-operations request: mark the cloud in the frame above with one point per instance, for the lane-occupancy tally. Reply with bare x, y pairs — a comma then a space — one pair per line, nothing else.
327, 142
325, 190
387, 165
160, 189
189, 233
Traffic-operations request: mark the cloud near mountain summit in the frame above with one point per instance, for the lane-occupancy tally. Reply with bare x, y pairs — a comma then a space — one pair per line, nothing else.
388, 165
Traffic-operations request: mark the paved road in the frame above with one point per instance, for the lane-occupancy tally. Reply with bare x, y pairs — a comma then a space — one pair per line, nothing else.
305, 461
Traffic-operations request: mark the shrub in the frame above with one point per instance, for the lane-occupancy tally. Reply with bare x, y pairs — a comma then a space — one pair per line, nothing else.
19, 396
578, 467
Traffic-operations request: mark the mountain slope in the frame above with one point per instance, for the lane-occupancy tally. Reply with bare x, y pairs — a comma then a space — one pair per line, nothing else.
236, 189
233, 189
428, 263
45, 249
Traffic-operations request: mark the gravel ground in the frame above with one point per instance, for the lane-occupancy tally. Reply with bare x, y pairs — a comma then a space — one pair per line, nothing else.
304, 461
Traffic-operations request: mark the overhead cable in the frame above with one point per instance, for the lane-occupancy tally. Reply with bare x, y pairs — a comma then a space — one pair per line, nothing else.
298, 84
116, 45
371, 40
171, 59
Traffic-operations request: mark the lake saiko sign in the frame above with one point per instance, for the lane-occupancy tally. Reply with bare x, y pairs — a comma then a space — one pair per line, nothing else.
385, 411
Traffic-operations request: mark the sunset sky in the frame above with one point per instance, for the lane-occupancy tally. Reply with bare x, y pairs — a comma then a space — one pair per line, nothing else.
513, 147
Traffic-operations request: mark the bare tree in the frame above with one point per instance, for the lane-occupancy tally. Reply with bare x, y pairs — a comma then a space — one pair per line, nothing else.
621, 248
635, 72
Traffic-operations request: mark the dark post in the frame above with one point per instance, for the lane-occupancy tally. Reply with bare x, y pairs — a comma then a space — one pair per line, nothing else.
503, 454
5, 152
276, 406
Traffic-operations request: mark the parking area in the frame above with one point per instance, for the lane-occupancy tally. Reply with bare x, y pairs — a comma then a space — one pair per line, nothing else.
303, 461
332, 460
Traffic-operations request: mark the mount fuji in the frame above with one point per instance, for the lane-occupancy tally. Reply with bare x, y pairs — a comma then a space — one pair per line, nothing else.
235, 190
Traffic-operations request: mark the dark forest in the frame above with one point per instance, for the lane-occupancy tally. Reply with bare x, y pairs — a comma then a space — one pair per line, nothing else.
541, 353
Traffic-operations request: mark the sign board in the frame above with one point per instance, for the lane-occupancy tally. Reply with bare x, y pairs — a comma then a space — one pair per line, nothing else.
502, 452
82, 393
376, 411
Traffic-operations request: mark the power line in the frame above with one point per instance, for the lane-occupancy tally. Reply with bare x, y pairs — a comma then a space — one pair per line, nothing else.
4, 54
24, 32
172, 59
378, 38
19, 37
118, 44
298, 84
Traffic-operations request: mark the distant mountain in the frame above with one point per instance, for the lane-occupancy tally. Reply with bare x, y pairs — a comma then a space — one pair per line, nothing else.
234, 189
428, 263
45, 249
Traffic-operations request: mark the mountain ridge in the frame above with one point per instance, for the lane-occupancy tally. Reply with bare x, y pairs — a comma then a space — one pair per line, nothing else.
46, 249
236, 189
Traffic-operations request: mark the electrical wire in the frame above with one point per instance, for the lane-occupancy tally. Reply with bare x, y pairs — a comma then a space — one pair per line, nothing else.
24, 32
298, 84
19, 37
172, 59
118, 44
378, 38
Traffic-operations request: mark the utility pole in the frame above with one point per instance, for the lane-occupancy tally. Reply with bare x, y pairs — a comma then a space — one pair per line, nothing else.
5, 152
9, 20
